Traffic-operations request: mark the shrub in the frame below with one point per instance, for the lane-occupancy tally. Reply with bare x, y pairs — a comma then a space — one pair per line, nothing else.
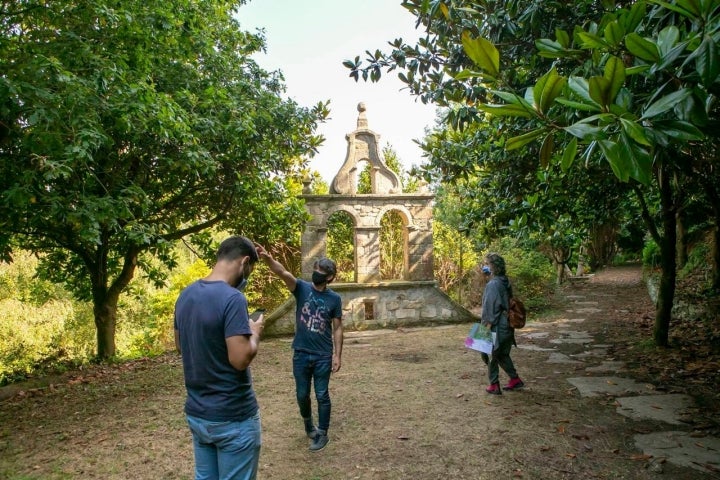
651, 254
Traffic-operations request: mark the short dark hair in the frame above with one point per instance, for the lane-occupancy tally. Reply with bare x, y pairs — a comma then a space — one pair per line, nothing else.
326, 265
235, 247
497, 262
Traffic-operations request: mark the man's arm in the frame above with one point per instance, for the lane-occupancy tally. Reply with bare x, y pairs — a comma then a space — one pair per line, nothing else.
277, 268
243, 348
337, 344
177, 341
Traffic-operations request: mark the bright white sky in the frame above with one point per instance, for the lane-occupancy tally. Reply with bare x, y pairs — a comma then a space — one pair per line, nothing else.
308, 41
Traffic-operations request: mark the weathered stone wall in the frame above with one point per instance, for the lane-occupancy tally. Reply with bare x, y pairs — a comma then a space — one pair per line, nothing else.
393, 304
367, 211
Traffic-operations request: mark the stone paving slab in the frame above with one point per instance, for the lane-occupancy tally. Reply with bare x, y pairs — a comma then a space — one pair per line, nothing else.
561, 358
607, 366
679, 448
667, 408
596, 386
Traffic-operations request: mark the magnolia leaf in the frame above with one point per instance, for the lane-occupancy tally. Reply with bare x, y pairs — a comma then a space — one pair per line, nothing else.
550, 46
569, 155
615, 74
600, 90
583, 131
637, 69
642, 48
547, 148
632, 18
547, 88
585, 107
581, 88
691, 6
666, 103
635, 131
512, 98
509, 110
613, 33
616, 159
682, 11
562, 37
482, 52
667, 38
465, 74
679, 130
707, 62
516, 142
590, 41
639, 161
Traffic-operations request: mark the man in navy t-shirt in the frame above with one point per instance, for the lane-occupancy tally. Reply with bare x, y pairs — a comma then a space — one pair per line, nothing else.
218, 341
318, 340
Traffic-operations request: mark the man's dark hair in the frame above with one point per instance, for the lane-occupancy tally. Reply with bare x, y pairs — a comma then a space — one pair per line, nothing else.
326, 265
235, 247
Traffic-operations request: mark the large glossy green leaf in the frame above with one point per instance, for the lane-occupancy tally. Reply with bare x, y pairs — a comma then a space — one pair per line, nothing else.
613, 33
615, 74
600, 90
634, 16
569, 154
618, 161
512, 98
679, 130
581, 87
547, 88
642, 48
482, 52
667, 38
584, 131
635, 131
707, 62
666, 103
675, 8
590, 41
547, 148
509, 110
522, 140
639, 161
585, 107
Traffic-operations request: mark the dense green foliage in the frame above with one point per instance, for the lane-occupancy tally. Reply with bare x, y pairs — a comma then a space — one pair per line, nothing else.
125, 126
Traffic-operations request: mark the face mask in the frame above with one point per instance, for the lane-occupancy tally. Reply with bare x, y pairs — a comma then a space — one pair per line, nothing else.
486, 270
319, 278
242, 283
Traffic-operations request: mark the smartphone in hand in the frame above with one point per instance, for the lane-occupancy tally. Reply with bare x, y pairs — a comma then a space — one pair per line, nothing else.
254, 316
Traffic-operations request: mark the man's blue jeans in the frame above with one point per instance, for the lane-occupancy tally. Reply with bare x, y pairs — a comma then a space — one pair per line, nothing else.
307, 368
226, 450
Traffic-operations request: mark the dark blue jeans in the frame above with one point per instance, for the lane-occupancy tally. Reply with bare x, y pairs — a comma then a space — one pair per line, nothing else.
313, 368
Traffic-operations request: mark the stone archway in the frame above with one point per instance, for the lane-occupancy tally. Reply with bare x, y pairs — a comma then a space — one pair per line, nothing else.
369, 301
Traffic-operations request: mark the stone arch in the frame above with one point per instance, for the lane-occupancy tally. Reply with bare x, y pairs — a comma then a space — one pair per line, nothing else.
341, 226
393, 243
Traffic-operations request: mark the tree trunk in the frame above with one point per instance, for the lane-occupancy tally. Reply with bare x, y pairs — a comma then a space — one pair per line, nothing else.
666, 293
105, 299
105, 322
682, 241
716, 253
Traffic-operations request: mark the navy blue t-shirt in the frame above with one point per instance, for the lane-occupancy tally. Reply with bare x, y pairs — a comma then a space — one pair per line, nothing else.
314, 314
206, 313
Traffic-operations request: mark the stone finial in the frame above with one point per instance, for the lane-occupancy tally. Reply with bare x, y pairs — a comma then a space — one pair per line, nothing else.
362, 118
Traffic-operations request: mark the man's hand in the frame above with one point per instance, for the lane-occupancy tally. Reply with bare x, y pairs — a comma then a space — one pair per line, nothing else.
336, 363
258, 325
262, 253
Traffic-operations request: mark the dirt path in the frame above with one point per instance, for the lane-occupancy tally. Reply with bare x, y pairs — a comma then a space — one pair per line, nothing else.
407, 404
